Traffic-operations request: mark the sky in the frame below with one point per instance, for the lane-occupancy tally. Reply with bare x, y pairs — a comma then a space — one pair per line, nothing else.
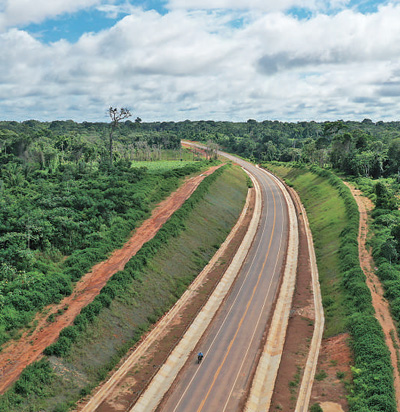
172, 60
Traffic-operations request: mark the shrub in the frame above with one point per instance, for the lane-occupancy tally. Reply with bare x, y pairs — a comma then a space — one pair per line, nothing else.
34, 378
316, 408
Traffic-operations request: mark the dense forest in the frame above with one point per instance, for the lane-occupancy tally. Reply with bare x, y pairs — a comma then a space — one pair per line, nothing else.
356, 148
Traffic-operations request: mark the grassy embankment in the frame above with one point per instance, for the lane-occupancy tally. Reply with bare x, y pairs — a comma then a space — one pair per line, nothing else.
138, 304
327, 216
334, 220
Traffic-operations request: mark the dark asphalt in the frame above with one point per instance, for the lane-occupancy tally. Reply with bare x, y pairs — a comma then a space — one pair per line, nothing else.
232, 342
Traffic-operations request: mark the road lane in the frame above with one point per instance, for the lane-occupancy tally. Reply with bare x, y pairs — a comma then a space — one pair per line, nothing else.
231, 345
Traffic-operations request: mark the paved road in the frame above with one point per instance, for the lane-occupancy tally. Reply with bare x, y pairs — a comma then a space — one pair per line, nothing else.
232, 343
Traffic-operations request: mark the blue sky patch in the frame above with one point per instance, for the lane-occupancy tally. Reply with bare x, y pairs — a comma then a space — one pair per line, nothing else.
71, 26
300, 13
366, 6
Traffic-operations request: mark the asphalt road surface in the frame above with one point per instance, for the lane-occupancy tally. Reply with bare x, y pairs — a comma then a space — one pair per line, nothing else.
232, 343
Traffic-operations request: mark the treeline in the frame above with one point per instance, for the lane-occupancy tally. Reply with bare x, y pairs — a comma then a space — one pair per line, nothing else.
355, 148
50, 146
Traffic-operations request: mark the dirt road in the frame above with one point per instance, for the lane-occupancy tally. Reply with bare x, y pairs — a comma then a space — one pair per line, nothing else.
380, 304
16, 355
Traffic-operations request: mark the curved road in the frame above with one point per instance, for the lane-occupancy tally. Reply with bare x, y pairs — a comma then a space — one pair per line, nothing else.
231, 345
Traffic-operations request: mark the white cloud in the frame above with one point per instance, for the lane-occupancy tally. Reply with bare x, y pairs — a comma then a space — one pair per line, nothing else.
114, 10
264, 5
345, 38
22, 12
196, 65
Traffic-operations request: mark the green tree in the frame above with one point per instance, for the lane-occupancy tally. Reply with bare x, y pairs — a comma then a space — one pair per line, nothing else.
365, 161
389, 250
309, 152
394, 156
116, 116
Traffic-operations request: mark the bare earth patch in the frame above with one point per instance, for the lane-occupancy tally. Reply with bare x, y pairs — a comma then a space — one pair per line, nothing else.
331, 407
16, 355
333, 368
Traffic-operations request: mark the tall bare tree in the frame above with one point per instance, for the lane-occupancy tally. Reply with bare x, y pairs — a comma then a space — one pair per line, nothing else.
211, 150
116, 116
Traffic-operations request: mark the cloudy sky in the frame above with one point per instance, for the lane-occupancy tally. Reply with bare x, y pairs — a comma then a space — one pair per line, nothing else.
288, 60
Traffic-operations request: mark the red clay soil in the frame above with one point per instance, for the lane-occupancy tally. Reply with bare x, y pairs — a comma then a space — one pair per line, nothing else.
16, 355
335, 358
380, 304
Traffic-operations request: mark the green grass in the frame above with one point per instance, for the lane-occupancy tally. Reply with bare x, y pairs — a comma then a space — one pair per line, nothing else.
326, 214
161, 166
146, 298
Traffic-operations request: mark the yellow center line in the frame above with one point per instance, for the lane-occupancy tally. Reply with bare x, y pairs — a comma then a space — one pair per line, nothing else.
244, 315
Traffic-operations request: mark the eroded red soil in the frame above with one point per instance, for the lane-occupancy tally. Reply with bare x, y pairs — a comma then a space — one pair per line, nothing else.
16, 355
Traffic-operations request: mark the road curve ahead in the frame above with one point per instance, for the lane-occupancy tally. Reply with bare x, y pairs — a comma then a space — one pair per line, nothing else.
231, 344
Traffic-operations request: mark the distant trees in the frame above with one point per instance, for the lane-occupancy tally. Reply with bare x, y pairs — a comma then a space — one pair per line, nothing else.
394, 156
356, 148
